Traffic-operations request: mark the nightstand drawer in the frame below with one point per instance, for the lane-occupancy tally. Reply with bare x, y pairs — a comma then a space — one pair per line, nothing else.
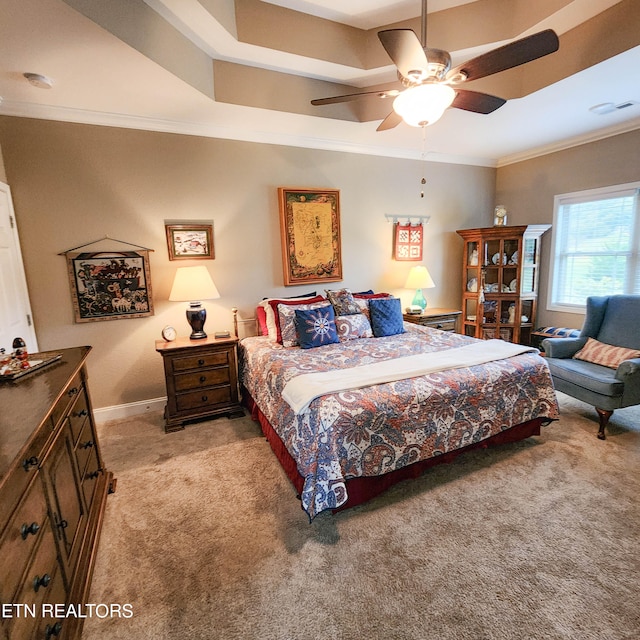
442, 324
200, 361
203, 398
199, 379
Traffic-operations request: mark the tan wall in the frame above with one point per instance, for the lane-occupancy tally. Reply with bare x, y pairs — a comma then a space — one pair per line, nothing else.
528, 188
72, 184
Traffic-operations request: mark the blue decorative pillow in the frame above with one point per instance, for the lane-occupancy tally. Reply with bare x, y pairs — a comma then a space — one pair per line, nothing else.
316, 327
386, 316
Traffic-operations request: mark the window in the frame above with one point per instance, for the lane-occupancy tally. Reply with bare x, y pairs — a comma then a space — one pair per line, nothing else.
596, 246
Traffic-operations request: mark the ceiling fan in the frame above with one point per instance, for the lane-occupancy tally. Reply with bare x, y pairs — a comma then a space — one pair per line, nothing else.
430, 84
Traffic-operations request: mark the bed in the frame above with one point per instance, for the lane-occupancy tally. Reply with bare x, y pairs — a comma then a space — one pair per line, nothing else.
351, 441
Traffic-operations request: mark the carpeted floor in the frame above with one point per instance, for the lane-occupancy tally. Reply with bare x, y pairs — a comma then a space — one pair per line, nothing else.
536, 540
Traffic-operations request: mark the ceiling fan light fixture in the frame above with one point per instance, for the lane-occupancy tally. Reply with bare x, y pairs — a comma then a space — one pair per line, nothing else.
423, 105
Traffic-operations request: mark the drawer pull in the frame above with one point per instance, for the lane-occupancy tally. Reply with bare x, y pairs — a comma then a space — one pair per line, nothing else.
80, 414
205, 398
203, 378
41, 582
93, 475
30, 462
63, 524
73, 392
27, 529
201, 362
53, 630
88, 444
438, 326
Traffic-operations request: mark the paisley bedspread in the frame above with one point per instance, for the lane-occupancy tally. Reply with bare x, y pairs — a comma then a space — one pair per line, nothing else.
377, 429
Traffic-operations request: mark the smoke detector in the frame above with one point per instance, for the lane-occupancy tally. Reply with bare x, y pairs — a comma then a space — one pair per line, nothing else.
38, 80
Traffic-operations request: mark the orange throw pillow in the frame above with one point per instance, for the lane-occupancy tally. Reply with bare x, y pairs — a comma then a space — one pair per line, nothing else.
605, 354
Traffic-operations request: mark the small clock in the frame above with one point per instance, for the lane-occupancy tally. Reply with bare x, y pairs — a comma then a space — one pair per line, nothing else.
500, 216
169, 333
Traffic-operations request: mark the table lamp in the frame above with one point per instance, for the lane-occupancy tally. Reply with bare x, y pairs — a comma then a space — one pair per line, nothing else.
419, 279
192, 285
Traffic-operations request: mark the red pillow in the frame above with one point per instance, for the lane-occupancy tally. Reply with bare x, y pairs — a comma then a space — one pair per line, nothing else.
368, 296
261, 315
291, 301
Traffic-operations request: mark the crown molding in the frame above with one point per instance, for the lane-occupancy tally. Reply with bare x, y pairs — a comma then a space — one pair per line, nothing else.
569, 143
226, 132
247, 134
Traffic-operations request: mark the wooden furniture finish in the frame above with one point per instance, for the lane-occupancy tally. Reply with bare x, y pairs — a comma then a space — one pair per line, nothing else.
201, 377
504, 263
443, 319
53, 489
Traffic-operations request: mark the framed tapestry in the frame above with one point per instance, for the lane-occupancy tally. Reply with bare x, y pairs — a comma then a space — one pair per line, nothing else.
310, 233
110, 285
407, 243
190, 241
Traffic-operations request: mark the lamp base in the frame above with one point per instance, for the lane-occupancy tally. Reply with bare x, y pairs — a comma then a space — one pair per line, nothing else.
419, 300
196, 316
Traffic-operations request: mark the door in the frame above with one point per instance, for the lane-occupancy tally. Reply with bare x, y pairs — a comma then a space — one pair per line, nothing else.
15, 310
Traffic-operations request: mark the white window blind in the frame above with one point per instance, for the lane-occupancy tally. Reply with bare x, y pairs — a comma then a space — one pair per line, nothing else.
596, 246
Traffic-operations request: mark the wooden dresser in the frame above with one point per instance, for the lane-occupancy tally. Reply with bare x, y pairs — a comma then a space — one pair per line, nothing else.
53, 490
201, 377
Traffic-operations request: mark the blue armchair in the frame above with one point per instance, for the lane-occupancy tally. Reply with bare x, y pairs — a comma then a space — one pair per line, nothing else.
613, 320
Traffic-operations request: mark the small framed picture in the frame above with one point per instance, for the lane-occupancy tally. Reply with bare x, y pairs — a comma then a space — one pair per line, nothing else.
190, 241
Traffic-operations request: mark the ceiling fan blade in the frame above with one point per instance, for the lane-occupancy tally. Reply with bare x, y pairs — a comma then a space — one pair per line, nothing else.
404, 48
476, 101
381, 93
510, 55
391, 121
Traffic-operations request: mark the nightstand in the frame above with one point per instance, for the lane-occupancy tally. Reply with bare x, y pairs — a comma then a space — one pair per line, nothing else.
443, 319
201, 377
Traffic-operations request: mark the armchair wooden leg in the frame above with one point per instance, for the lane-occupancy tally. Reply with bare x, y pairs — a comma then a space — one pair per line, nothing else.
603, 416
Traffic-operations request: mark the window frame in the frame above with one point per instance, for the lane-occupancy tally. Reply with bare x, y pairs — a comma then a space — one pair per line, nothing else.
588, 195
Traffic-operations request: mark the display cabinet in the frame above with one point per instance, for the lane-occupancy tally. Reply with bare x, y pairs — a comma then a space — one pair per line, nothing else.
500, 274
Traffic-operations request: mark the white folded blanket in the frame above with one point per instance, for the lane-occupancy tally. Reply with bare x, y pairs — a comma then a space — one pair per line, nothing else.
301, 390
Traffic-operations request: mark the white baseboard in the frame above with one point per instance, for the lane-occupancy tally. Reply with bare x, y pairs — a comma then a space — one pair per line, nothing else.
121, 411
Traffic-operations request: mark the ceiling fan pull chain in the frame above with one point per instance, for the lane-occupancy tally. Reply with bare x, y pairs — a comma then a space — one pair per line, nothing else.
423, 155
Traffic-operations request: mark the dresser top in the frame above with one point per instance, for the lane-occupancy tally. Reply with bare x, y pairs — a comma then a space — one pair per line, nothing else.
27, 402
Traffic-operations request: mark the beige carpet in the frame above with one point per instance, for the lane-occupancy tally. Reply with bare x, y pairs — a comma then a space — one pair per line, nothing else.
537, 540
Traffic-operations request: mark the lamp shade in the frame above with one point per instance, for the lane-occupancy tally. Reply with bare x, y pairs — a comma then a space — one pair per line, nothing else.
191, 284
423, 105
419, 278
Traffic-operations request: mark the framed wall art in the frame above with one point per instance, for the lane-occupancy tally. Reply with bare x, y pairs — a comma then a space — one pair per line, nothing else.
407, 245
310, 233
110, 285
190, 241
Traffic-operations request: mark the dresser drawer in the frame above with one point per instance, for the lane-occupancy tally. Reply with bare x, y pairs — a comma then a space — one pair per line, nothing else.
203, 398
78, 415
85, 446
89, 479
20, 538
200, 361
62, 406
199, 379
42, 583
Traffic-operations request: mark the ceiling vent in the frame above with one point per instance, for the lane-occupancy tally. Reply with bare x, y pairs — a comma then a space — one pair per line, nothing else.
609, 107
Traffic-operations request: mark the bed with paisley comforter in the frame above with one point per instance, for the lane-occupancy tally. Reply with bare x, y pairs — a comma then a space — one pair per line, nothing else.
332, 444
